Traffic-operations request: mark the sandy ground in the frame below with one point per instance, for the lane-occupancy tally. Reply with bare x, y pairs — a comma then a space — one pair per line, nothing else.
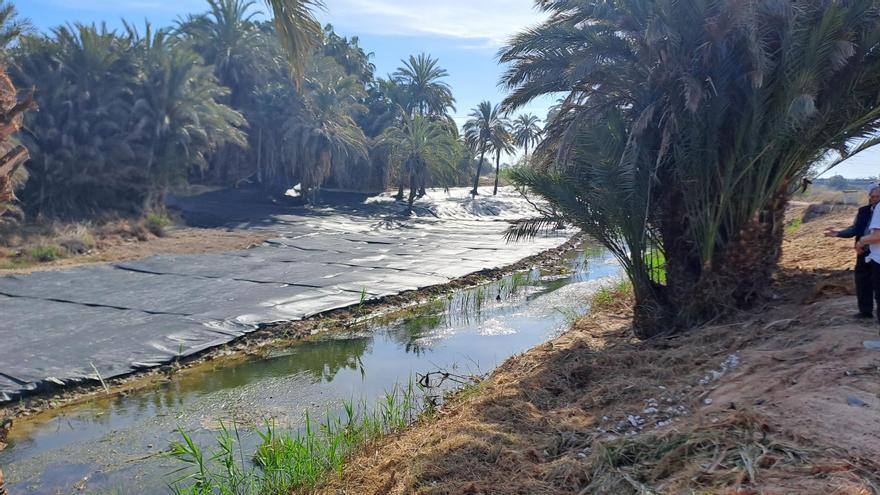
785, 399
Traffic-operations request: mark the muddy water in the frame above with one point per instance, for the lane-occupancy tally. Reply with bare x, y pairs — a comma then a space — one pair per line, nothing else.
116, 445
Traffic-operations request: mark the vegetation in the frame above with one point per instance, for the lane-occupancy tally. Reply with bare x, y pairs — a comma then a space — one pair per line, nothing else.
424, 148
284, 463
526, 132
488, 130
12, 155
685, 129
219, 98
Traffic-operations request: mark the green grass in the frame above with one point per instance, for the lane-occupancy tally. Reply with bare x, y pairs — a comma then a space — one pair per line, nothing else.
17, 262
286, 462
156, 224
793, 226
44, 254
609, 296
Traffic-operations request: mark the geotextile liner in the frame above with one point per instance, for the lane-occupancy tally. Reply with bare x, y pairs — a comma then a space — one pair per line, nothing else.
103, 321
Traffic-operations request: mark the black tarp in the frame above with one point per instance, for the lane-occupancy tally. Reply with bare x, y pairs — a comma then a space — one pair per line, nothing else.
59, 327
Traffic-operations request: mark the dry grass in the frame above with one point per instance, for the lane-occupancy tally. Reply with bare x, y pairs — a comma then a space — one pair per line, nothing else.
79, 243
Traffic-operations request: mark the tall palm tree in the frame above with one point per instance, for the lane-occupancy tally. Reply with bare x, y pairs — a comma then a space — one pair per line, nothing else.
526, 132
423, 149
298, 31
485, 128
501, 142
325, 133
178, 118
421, 78
685, 129
228, 38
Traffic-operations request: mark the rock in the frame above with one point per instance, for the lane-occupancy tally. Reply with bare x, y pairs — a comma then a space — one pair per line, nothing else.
707, 402
635, 421
855, 401
650, 410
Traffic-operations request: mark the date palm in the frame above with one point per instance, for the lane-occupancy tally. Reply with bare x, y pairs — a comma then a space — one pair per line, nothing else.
424, 151
485, 130
685, 128
421, 77
228, 38
178, 120
526, 132
12, 155
297, 30
324, 134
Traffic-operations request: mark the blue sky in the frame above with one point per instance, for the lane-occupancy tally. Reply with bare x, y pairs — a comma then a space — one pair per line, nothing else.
464, 34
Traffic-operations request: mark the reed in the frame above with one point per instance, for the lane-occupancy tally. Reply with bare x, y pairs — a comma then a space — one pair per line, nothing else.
285, 462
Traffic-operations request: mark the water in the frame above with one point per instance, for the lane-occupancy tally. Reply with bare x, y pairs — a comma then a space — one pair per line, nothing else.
115, 445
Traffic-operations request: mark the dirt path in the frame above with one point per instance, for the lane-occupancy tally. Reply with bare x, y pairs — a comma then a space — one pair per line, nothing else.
783, 400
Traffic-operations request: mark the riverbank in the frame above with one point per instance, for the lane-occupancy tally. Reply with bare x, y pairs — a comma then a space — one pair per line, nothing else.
783, 399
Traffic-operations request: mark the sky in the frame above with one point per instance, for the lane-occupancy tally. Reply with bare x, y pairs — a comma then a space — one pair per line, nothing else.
464, 34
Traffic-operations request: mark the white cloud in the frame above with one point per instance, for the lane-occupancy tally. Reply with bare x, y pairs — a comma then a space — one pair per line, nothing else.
486, 24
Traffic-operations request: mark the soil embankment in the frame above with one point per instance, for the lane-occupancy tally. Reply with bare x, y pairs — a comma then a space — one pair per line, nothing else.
783, 399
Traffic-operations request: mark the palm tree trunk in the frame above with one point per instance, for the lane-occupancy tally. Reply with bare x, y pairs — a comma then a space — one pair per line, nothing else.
413, 187
695, 291
497, 171
474, 191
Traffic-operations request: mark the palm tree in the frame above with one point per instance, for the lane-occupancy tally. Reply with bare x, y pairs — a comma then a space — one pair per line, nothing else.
685, 129
325, 132
426, 93
228, 38
424, 150
178, 119
81, 154
12, 155
297, 30
501, 142
526, 132
485, 129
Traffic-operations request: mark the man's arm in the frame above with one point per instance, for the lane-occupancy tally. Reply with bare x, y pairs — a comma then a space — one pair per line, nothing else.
846, 233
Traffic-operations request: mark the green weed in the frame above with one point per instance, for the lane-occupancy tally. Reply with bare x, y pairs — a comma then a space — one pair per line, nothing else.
156, 224
286, 462
608, 297
44, 254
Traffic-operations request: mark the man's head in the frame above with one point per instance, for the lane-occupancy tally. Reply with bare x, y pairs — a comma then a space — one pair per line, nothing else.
874, 196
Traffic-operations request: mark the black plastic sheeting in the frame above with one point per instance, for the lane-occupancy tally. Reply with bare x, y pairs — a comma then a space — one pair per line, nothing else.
64, 327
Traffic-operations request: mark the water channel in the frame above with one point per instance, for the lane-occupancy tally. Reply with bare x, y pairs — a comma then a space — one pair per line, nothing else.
116, 445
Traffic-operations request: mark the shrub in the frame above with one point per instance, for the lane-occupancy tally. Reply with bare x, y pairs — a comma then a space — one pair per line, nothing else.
156, 224
44, 254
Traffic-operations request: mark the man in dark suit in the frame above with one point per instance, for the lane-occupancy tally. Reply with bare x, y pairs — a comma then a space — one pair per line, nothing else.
863, 271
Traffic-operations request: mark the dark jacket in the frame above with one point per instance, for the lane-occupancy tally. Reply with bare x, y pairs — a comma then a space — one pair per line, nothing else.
857, 229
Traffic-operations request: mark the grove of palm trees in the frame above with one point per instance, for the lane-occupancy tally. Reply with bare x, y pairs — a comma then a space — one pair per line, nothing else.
217, 98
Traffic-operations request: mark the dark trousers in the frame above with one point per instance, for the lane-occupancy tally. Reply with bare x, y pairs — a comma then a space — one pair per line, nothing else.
867, 285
